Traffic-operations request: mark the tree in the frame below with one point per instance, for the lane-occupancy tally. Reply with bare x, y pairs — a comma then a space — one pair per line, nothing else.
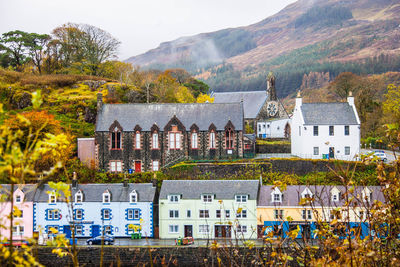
36, 45
391, 105
14, 42
85, 44
345, 83
203, 98
183, 95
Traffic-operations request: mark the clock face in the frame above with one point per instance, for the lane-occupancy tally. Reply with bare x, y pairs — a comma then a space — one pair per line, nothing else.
272, 109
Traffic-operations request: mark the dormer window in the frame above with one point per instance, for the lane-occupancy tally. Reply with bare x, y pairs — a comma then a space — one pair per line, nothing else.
335, 193
174, 198
241, 198
78, 197
116, 139
276, 195
366, 194
306, 193
207, 198
106, 197
133, 197
18, 199
52, 198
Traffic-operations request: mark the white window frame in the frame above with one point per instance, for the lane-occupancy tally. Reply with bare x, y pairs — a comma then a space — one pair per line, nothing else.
316, 150
241, 229
78, 230
54, 214
278, 214
274, 193
133, 197
106, 197
204, 214
242, 214
189, 213
130, 214
348, 127
227, 213
306, 214
137, 140
194, 140
174, 198
115, 166
204, 229
18, 199
108, 213
173, 214
18, 230
154, 140
174, 140
52, 197
241, 198
136, 214
347, 150
80, 214
173, 228
156, 165
212, 140
78, 194
306, 192
207, 198
218, 213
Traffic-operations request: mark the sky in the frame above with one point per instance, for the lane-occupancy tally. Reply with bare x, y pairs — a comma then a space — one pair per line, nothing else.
140, 25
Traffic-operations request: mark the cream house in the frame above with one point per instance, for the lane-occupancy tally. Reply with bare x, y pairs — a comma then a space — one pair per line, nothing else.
208, 209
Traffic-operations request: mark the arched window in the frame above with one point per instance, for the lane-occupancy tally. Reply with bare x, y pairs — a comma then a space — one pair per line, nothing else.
116, 139
229, 138
155, 140
194, 140
137, 140
212, 139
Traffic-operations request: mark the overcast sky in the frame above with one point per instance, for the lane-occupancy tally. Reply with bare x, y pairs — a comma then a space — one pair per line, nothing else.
139, 24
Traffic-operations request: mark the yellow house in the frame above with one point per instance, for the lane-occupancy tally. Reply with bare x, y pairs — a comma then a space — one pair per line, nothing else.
281, 211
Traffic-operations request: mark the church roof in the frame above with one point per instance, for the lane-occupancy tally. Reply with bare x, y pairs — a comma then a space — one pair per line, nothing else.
328, 114
146, 115
252, 101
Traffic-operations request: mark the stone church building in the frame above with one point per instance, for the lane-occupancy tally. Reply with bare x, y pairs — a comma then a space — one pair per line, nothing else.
259, 106
146, 137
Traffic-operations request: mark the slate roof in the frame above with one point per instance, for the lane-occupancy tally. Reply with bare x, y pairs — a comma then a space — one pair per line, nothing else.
27, 189
321, 193
146, 115
328, 114
252, 101
94, 192
223, 189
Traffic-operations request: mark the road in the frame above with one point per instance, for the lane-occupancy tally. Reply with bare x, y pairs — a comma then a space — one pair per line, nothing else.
389, 154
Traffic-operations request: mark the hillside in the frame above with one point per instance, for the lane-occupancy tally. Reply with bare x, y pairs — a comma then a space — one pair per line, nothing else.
307, 36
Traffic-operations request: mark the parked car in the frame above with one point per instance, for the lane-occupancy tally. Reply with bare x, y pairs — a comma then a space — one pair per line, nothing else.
108, 240
380, 154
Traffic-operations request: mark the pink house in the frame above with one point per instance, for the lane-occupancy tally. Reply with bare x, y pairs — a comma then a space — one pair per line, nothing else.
22, 222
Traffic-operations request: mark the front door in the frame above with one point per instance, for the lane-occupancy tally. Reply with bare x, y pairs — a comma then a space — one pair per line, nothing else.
331, 152
188, 231
95, 230
138, 166
222, 231
67, 231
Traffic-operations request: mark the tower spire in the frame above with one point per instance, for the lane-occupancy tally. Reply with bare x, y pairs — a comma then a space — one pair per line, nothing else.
271, 91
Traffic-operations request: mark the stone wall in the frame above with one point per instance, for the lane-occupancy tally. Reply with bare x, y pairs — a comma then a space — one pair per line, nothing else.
273, 148
221, 170
167, 256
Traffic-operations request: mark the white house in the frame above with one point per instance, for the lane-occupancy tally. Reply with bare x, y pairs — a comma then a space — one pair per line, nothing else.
325, 130
208, 209
278, 128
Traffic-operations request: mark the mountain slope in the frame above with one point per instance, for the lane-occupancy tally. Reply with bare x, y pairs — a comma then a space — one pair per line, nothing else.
309, 35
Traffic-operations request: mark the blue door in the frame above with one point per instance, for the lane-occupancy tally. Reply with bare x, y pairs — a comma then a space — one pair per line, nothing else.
67, 231
95, 230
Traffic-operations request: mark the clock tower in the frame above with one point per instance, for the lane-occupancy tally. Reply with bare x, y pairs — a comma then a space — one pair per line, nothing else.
272, 100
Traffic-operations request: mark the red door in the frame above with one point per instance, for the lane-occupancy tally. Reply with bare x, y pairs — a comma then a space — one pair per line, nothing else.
138, 166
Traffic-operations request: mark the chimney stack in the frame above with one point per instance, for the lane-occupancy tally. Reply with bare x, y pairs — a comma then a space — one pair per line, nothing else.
74, 181
350, 99
299, 100
99, 101
125, 183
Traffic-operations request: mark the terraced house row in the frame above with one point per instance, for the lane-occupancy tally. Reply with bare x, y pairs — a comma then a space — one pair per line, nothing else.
203, 209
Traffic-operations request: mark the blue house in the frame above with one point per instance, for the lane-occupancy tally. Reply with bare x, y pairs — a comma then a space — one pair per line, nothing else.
116, 209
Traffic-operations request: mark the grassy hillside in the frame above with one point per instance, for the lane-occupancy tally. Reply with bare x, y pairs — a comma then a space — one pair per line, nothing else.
307, 36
